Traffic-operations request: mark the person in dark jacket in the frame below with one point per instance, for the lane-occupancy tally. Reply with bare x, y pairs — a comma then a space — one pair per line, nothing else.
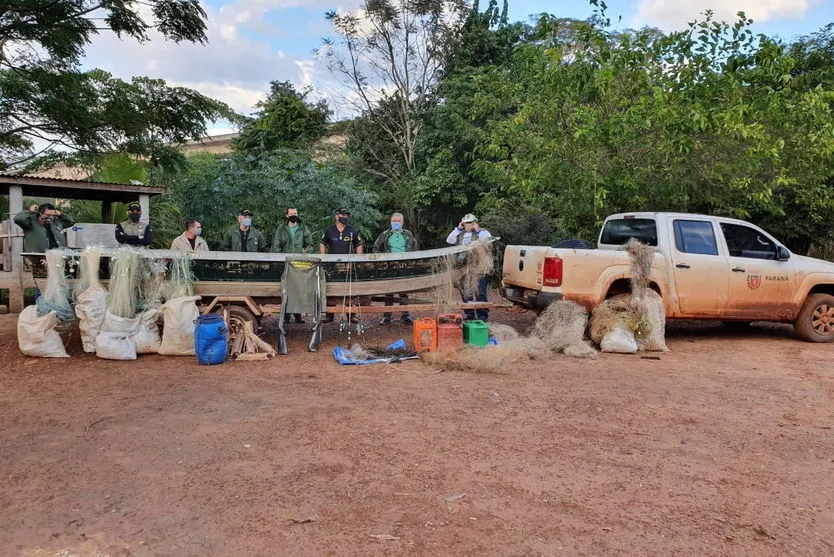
341, 238
133, 232
396, 239
43, 228
292, 237
243, 236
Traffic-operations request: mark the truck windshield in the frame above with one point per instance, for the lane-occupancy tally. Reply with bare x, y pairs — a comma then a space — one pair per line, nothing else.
620, 231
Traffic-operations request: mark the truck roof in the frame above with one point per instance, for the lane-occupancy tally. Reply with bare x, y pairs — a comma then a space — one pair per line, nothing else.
656, 214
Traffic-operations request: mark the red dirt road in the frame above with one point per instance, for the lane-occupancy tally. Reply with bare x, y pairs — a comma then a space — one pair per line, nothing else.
723, 447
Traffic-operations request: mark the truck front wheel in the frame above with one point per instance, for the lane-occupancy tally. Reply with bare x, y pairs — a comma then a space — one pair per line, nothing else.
816, 319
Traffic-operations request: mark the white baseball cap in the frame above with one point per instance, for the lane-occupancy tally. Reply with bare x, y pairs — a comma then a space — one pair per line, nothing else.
469, 217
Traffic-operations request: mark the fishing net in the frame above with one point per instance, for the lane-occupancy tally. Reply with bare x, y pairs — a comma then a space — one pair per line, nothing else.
57, 295
152, 284
90, 299
642, 256
560, 328
460, 272
359, 353
180, 278
123, 298
474, 263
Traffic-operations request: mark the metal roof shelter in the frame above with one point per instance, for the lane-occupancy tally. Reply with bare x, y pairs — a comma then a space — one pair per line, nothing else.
16, 186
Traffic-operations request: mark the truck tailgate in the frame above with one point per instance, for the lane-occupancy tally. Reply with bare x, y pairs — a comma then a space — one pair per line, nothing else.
523, 266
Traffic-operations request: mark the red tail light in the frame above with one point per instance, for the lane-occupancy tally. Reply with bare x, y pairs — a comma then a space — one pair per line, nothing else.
552, 275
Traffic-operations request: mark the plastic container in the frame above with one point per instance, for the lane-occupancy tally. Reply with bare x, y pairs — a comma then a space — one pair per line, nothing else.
425, 335
211, 341
476, 333
449, 331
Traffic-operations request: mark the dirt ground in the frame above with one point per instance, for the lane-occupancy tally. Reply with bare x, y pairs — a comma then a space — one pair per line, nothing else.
722, 447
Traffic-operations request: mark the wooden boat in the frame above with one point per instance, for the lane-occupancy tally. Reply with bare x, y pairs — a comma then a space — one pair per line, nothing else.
225, 273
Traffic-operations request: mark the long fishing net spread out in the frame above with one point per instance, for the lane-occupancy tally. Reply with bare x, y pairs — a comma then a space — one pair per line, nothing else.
459, 273
57, 294
123, 298
180, 278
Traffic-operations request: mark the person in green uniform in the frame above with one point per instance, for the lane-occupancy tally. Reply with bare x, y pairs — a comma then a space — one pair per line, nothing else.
292, 237
243, 236
43, 228
396, 240
133, 232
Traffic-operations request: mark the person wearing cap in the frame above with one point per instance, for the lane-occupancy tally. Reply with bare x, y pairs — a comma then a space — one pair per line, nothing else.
341, 238
43, 228
396, 239
243, 236
132, 232
464, 234
190, 239
292, 237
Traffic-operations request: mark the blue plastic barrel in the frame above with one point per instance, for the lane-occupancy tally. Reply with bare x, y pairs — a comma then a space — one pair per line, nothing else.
211, 340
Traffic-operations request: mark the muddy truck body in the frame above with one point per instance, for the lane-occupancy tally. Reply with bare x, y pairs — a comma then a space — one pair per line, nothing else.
704, 267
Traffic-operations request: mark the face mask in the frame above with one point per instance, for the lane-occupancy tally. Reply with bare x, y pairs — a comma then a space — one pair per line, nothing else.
396, 226
247, 222
134, 217
343, 220
198, 231
293, 218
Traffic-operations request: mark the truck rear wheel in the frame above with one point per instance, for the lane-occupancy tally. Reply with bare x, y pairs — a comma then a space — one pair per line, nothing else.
816, 319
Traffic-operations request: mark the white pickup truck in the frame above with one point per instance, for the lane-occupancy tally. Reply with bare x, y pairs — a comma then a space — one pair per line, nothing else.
704, 268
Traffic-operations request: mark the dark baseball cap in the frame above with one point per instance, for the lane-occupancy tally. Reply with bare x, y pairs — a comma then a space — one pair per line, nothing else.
246, 213
134, 207
342, 211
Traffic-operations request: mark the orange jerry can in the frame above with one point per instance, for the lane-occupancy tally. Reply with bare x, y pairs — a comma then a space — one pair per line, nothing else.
425, 335
449, 331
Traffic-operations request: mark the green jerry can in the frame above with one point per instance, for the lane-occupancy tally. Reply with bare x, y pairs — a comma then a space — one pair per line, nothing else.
476, 333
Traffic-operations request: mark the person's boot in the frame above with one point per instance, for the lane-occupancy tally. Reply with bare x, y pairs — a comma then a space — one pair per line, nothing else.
298, 318
386, 320
406, 318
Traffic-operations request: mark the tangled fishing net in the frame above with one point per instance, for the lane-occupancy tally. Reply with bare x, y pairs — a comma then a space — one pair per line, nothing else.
123, 298
57, 294
634, 321
459, 273
559, 329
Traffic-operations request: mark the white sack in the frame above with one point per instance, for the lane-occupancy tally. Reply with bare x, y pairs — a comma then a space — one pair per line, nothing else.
115, 346
37, 337
90, 307
619, 340
179, 315
147, 338
114, 324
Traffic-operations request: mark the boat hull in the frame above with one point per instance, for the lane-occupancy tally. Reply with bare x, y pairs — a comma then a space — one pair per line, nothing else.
259, 274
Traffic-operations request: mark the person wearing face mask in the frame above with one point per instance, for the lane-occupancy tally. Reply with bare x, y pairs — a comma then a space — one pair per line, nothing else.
464, 234
396, 239
133, 232
243, 236
43, 228
292, 237
190, 239
341, 238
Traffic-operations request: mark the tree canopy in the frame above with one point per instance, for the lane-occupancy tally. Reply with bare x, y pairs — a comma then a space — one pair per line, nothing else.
48, 106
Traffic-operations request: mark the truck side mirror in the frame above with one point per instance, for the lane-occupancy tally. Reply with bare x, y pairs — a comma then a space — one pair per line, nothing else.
782, 253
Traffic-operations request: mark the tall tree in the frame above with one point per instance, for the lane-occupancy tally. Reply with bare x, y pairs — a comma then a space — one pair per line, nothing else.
389, 54
286, 119
49, 106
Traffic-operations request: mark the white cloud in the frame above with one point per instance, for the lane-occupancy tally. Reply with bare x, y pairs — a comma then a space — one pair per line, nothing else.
235, 66
675, 14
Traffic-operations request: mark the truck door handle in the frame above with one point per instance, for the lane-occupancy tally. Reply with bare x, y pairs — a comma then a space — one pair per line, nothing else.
738, 270
682, 266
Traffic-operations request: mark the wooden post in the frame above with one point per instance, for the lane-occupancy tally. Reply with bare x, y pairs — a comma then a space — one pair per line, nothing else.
145, 204
16, 291
107, 212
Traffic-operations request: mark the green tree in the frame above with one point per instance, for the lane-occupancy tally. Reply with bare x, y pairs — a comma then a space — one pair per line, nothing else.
285, 120
266, 185
48, 106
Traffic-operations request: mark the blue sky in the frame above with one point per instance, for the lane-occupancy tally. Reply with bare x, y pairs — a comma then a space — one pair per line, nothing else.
252, 42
